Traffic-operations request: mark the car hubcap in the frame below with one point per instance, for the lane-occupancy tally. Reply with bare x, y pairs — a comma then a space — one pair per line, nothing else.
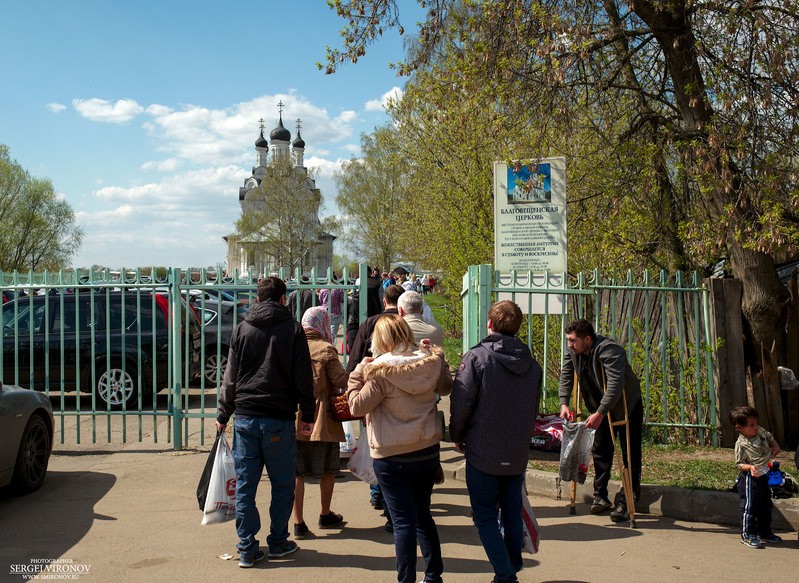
115, 386
212, 364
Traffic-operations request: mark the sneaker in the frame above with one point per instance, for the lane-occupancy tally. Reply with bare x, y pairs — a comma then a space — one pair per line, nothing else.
600, 505
620, 513
301, 531
330, 520
389, 527
772, 538
752, 542
245, 561
283, 549
376, 504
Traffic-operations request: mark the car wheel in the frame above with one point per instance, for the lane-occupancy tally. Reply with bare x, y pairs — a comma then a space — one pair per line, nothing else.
212, 363
32, 457
117, 386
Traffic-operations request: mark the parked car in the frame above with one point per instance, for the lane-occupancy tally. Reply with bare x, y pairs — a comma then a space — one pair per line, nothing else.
219, 319
108, 342
26, 438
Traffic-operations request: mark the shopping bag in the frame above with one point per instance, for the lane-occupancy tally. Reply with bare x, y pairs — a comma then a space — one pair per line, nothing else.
575, 451
347, 446
205, 477
220, 502
531, 532
547, 433
361, 464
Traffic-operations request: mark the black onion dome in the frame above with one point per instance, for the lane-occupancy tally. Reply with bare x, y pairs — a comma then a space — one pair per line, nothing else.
280, 133
261, 141
299, 142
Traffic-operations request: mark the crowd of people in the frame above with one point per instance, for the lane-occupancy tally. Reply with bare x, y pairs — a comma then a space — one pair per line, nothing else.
281, 372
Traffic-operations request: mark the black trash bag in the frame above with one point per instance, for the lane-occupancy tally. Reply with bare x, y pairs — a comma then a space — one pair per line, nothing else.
205, 477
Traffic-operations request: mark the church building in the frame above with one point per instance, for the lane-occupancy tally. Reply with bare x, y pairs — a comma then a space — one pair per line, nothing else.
250, 252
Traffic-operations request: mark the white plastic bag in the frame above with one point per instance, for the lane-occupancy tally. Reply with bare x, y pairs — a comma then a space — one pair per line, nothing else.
531, 531
220, 502
347, 446
361, 464
575, 451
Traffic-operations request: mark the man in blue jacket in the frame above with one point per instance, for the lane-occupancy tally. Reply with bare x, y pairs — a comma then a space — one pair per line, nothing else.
268, 374
494, 404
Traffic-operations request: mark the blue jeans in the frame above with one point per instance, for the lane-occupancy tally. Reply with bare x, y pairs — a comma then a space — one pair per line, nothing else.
488, 492
407, 487
335, 324
260, 442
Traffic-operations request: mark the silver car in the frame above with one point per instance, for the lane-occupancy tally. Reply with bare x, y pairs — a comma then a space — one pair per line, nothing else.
26, 438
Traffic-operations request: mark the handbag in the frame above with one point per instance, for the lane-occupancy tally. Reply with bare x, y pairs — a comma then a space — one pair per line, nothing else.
339, 408
220, 501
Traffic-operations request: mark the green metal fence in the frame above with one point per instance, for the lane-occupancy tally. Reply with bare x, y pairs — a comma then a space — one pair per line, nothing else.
663, 323
133, 354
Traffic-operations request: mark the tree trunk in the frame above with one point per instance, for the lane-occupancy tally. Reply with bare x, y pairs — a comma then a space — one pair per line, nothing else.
762, 292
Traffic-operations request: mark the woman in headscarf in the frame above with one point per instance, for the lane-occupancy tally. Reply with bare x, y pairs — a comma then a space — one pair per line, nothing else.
318, 454
397, 392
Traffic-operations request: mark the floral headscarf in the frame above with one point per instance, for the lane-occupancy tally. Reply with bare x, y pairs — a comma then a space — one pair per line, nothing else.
317, 320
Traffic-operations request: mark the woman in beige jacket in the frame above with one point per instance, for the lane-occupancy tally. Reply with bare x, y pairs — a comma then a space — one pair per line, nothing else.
397, 392
318, 454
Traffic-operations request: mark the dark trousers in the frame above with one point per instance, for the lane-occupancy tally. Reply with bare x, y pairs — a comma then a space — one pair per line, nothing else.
407, 487
487, 492
603, 450
755, 505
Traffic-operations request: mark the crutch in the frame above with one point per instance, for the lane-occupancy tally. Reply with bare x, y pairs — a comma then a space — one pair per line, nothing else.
577, 418
626, 475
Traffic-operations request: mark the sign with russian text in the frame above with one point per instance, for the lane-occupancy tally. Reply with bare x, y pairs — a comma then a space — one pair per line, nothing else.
530, 215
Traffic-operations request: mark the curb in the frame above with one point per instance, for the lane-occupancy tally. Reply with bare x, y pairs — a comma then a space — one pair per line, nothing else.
679, 503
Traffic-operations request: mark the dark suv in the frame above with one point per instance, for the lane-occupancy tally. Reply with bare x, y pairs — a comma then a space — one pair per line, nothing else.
109, 342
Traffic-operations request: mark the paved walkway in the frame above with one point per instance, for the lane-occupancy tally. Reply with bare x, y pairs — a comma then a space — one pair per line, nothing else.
129, 513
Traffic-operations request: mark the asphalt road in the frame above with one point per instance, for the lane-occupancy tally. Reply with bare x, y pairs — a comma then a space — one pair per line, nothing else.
128, 513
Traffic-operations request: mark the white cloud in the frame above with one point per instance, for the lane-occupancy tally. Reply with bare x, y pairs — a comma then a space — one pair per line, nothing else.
86, 218
168, 165
324, 168
204, 155
56, 107
119, 111
393, 94
347, 116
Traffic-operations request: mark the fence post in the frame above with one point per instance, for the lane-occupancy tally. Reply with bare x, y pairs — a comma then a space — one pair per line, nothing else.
470, 309
729, 375
486, 283
177, 360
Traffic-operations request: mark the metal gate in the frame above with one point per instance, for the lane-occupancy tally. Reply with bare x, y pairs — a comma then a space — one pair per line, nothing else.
133, 354
662, 322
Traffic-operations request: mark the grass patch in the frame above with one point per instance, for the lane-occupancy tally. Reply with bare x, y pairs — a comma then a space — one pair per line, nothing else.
453, 344
696, 467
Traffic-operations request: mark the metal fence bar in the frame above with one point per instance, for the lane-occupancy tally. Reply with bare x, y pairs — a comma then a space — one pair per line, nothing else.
655, 333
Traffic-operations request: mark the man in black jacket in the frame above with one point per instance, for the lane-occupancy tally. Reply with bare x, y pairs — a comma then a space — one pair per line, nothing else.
604, 375
268, 374
362, 344
494, 404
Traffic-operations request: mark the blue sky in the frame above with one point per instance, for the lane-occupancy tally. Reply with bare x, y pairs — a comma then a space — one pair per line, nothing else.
144, 114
